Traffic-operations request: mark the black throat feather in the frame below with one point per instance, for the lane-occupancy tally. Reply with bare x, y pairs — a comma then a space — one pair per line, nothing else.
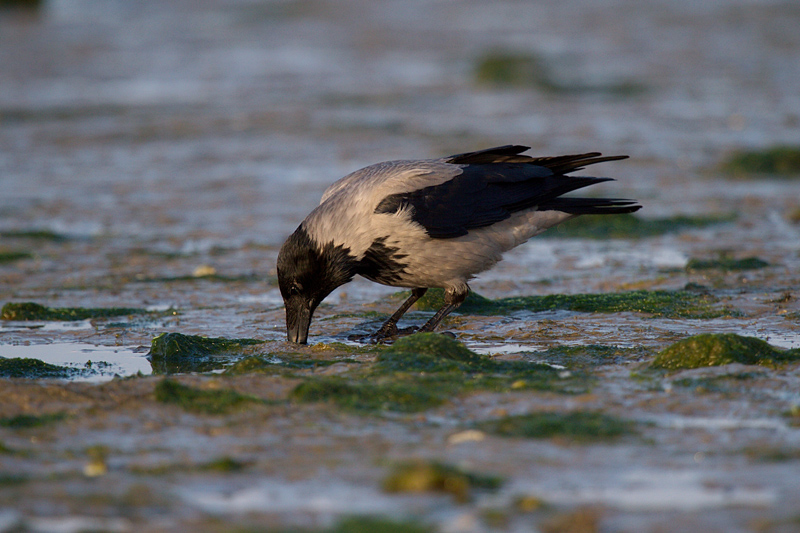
382, 263
320, 268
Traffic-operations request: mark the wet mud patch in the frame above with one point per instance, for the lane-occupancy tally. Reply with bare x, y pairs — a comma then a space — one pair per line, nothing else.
179, 192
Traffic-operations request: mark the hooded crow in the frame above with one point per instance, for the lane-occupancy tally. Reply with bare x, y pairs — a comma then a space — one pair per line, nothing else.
430, 223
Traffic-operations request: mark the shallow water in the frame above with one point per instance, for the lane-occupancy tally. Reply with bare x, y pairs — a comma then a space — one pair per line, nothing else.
93, 363
159, 141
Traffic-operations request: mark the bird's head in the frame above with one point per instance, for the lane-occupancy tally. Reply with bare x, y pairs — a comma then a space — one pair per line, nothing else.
307, 273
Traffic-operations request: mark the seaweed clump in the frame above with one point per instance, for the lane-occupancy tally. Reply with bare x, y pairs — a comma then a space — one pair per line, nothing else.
425, 370
25, 367
782, 161
10, 257
375, 524
727, 264
715, 349
667, 304
365, 396
176, 352
441, 363
502, 68
212, 402
628, 226
31, 421
24, 311
270, 365
575, 426
433, 476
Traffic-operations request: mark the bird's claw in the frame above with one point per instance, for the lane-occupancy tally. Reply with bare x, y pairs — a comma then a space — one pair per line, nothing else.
385, 335
389, 335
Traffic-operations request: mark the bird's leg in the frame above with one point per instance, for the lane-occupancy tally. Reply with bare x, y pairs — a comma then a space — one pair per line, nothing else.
389, 328
452, 299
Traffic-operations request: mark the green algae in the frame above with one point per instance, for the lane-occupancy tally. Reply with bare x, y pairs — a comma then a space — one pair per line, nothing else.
12, 480
433, 476
579, 426
24, 367
12, 256
576, 357
221, 465
504, 68
666, 304
509, 69
383, 395
176, 352
433, 300
778, 161
34, 235
374, 524
25, 311
267, 365
446, 364
355, 524
715, 349
629, 226
722, 384
31, 5
426, 370
433, 353
212, 402
254, 364
31, 421
224, 465
772, 455
727, 264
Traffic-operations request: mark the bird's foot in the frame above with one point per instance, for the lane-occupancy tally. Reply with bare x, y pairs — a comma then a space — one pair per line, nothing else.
385, 335
389, 335
382, 337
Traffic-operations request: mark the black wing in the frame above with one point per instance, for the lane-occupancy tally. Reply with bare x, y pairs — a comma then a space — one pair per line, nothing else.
499, 181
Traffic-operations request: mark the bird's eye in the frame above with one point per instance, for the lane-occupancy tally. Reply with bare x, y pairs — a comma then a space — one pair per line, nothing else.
294, 289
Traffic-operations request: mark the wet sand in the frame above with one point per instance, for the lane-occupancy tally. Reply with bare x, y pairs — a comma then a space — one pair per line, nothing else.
156, 156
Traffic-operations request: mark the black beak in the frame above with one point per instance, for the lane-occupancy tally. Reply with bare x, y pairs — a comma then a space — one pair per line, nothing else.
298, 320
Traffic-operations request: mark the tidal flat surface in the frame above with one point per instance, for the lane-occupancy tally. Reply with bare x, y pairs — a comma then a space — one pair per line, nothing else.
154, 156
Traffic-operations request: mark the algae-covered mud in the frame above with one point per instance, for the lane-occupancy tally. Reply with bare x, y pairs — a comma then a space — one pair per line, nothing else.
629, 373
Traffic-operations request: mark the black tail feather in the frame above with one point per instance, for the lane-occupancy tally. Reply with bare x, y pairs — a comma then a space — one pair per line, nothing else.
591, 206
512, 153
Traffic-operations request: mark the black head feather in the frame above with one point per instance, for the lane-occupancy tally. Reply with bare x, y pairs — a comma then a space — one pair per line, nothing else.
307, 273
